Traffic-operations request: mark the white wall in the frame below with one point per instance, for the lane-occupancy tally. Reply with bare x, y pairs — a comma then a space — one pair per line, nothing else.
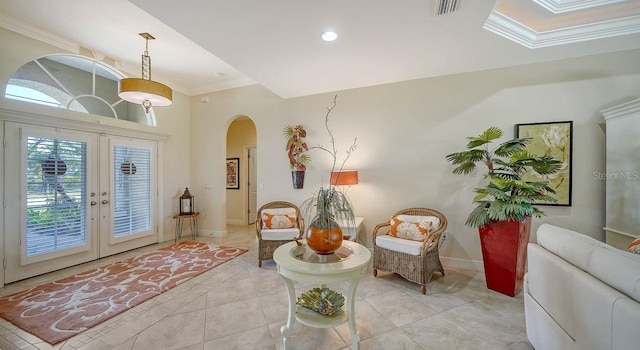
209, 124
404, 131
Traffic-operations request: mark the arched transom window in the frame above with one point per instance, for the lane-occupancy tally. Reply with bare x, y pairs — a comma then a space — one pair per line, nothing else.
76, 83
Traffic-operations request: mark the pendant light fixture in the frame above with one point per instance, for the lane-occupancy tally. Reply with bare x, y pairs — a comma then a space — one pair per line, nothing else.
143, 90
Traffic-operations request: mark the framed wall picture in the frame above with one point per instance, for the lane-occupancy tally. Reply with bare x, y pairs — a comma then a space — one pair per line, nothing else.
233, 173
551, 139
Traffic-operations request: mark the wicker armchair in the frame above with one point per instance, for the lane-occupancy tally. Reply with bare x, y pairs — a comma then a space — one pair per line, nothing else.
270, 239
419, 260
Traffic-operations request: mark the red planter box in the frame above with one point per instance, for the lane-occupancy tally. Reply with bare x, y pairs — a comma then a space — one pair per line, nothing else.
504, 252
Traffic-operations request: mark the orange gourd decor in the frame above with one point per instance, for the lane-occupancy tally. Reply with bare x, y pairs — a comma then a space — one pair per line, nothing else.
324, 237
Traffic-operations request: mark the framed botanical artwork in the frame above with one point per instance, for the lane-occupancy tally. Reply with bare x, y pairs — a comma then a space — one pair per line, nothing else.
233, 173
551, 139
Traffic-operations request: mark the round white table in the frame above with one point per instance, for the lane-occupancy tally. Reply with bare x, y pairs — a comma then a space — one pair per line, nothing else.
301, 264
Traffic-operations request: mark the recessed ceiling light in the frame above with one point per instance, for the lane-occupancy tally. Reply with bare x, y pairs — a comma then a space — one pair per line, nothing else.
329, 36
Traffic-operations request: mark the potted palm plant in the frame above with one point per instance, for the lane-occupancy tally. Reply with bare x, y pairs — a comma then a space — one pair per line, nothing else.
297, 152
505, 204
329, 205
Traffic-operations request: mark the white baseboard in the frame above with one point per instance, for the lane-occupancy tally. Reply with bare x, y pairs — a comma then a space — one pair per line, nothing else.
212, 233
462, 263
235, 222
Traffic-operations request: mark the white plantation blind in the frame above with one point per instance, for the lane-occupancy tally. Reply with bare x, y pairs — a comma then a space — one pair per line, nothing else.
132, 190
56, 194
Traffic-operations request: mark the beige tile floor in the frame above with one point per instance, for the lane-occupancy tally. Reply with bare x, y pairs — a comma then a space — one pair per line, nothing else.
240, 306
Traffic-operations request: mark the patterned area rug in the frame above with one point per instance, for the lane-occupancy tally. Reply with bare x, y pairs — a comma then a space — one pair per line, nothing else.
58, 310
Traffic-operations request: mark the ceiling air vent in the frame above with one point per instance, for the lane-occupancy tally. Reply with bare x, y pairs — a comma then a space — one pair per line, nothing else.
446, 6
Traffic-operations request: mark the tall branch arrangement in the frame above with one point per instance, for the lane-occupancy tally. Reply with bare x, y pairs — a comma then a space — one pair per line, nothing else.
330, 204
332, 152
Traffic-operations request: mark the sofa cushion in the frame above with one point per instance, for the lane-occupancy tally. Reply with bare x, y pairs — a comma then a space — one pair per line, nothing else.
593, 303
617, 268
572, 246
543, 331
584, 287
550, 284
626, 320
399, 244
278, 218
279, 234
414, 227
634, 247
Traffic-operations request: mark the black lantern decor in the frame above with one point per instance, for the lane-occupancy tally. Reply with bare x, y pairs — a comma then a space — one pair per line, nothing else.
186, 203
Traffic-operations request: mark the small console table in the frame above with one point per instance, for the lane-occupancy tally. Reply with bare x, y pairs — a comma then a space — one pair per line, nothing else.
301, 264
351, 232
193, 223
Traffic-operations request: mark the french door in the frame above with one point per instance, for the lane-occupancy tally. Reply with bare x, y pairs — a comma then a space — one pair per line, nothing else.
127, 194
74, 197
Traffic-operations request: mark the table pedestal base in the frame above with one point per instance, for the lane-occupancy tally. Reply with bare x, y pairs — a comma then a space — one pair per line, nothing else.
301, 264
313, 319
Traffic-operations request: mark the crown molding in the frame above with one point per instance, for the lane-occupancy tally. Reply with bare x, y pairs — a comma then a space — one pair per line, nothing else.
38, 34
562, 6
511, 29
230, 84
623, 110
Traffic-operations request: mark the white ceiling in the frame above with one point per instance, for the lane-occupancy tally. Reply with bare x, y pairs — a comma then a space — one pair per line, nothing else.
210, 45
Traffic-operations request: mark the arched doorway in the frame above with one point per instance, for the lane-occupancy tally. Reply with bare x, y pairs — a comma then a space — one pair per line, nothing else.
241, 191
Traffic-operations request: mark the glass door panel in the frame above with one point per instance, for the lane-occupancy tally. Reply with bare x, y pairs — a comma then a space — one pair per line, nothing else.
56, 184
132, 190
50, 221
129, 184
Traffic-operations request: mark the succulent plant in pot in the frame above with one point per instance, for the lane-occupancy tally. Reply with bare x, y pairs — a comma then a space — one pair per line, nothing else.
329, 206
297, 152
505, 204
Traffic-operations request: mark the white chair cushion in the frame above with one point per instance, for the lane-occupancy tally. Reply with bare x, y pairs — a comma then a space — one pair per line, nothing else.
399, 244
279, 234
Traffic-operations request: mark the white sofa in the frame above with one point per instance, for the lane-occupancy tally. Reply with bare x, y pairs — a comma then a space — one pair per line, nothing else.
580, 293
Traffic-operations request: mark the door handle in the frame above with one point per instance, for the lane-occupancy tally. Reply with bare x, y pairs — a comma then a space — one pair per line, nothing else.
94, 203
104, 201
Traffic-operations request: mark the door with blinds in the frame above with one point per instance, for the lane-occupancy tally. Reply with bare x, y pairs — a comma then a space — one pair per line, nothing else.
127, 192
71, 205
